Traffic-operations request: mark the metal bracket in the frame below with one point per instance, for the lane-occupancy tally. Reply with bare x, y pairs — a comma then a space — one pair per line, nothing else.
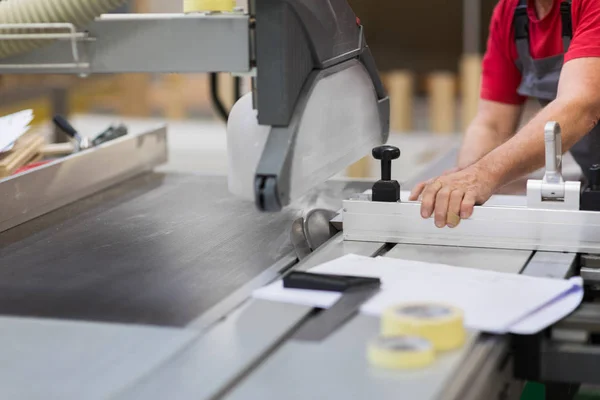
544, 358
552, 192
72, 35
590, 268
134, 43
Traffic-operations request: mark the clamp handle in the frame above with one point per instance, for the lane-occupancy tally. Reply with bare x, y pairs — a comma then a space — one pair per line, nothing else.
552, 192
553, 184
553, 141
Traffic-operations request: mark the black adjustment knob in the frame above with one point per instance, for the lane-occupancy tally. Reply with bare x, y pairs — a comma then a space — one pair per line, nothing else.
386, 189
594, 183
386, 154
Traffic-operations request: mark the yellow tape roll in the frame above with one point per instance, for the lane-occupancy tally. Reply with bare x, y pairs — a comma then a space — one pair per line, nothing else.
190, 6
400, 352
442, 325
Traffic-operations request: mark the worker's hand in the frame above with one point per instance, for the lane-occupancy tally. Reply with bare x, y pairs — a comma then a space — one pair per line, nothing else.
419, 188
452, 196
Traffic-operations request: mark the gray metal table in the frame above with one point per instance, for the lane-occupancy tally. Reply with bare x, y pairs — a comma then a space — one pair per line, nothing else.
158, 250
337, 367
221, 358
178, 254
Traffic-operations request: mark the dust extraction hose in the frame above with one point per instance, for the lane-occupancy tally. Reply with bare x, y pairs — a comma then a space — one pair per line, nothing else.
77, 12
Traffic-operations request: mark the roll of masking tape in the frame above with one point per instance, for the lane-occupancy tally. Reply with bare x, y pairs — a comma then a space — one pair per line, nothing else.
190, 6
400, 352
440, 324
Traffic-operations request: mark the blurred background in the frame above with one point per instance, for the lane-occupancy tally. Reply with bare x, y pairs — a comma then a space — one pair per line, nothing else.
428, 52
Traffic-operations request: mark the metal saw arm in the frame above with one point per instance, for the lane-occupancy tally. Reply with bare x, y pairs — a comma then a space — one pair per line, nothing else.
319, 89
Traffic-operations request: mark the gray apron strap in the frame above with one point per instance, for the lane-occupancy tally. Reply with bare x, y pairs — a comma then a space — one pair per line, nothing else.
567, 24
521, 26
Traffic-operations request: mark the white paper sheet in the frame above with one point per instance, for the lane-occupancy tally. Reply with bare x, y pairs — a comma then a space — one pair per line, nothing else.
12, 127
492, 302
552, 313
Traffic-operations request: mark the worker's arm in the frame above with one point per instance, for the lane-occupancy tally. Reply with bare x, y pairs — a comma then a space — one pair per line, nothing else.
493, 125
576, 109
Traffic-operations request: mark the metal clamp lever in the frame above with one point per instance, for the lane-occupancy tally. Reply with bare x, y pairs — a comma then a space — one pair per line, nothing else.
553, 185
552, 191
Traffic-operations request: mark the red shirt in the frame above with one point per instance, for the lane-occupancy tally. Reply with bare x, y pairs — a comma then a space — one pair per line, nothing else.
501, 77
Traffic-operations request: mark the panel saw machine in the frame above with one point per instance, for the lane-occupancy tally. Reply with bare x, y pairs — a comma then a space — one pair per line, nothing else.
113, 262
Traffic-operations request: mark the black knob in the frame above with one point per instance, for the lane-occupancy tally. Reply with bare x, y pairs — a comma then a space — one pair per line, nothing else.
595, 177
386, 154
386, 189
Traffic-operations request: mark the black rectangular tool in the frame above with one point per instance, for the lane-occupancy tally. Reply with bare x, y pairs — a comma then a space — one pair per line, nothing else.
329, 283
355, 292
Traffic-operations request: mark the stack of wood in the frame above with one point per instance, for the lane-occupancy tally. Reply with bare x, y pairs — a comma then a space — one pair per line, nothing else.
28, 149
19, 81
443, 89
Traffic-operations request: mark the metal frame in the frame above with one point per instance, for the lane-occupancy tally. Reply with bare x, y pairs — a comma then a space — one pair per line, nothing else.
531, 355
566, 364
485, 373
72, 36
490, 226
154, 43
300, 83
44, 189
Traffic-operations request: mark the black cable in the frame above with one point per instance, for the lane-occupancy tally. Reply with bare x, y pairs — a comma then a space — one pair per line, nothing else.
214, 96
237, 88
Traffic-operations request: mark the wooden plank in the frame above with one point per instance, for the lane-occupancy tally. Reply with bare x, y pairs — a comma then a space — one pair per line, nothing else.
470, 70
400, 86
442, 102
57, 149
360, 169
25, 150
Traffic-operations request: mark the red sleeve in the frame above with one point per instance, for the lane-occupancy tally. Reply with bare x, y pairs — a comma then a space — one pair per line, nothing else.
586, 30
500, 75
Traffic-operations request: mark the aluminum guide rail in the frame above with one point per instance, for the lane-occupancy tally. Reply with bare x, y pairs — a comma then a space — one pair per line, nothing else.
500, 227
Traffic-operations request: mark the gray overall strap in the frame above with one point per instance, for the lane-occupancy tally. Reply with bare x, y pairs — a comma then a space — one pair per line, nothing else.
567, 23
521, 25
